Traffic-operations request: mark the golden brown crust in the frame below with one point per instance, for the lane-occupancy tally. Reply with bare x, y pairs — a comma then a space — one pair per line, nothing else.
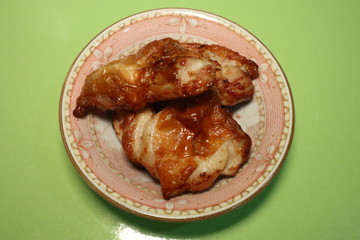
157, 72
190, 141
165, 70
249, 67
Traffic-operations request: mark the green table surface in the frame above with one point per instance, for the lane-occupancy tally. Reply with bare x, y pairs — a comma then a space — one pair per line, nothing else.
316, 194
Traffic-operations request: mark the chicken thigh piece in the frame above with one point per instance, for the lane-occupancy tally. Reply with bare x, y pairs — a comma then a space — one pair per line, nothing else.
233, 82
165, 70
161, 70
187, 145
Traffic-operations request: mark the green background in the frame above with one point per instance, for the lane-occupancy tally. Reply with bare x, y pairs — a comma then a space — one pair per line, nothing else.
316, 194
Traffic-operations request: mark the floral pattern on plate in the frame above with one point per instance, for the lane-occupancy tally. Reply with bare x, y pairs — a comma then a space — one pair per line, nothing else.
96, 153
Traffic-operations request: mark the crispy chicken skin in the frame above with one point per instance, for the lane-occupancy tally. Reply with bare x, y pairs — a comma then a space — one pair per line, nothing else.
161, 70
165, 70
191, 141
233, 82
187, 145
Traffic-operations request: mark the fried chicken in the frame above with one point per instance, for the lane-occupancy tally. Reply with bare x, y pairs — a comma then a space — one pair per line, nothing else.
233, 82
187, 145
165, 70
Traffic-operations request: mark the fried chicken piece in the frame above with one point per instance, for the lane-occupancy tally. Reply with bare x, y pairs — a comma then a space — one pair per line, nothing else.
233, 82
161, 70
165, 70
187, 145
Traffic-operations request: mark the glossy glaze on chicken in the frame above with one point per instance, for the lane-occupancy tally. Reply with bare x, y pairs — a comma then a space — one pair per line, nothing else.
165, 70
187, 145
